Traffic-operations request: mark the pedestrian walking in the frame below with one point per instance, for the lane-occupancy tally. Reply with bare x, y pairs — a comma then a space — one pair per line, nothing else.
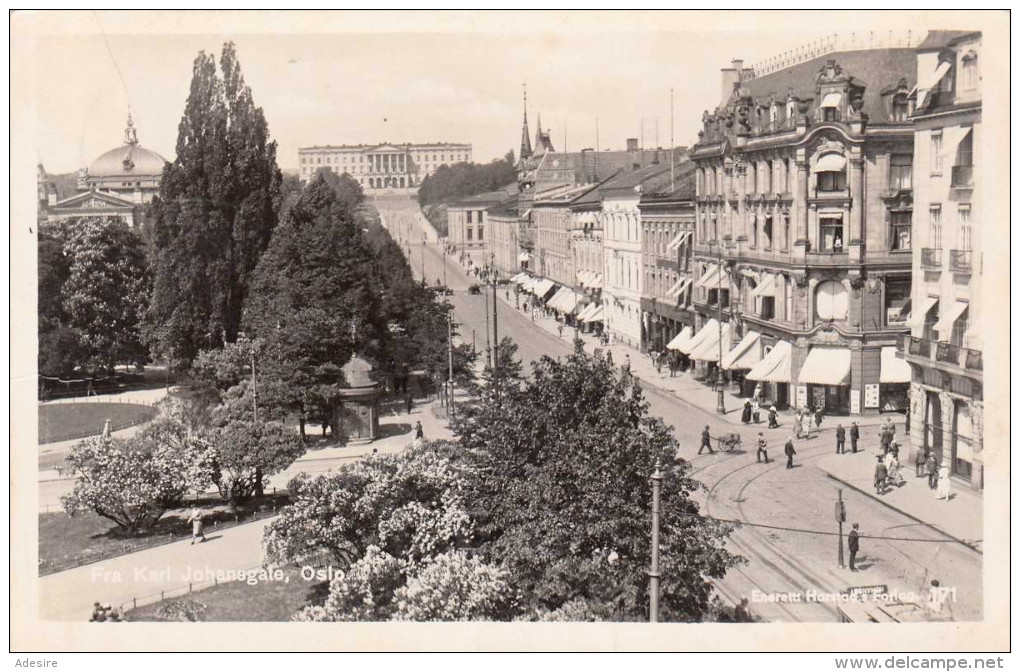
892, 467
809, 422
672, 365
886, 439
818, 418
706, 441
944, 491
745, 416
881, 474
798, 424
419, 433
197, 525
790, 452
757, 393
626, 364
853, 543
919, 461
840, 439
755, 410
658, 363
855, 435
773, 417
763, 448
559, 328
931, 468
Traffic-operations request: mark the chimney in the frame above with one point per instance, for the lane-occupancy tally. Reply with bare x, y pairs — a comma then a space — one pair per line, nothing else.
730, 78
632, 144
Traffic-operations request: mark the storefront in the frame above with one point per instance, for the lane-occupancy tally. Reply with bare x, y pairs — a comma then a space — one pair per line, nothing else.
741, 359
773, 372
824, 380
894, 380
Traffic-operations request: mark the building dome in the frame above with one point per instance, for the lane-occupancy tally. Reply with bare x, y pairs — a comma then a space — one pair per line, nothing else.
128, 160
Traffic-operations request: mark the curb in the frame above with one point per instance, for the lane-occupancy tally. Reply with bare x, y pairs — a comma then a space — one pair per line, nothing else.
968, 545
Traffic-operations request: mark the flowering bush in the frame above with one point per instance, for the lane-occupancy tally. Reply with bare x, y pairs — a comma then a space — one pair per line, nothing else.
409, 505
364, 593
456, 587
134, 482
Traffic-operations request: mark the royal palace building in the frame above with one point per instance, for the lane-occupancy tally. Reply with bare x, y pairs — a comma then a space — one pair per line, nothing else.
385, 168
802, 236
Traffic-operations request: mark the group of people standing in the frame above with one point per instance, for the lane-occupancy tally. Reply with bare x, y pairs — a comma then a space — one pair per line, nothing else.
806, 422
672, 360
752, 410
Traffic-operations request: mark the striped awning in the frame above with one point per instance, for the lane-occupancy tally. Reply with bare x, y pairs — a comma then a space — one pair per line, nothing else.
775, 366
947, 321
587, 311
596, 316
678, 240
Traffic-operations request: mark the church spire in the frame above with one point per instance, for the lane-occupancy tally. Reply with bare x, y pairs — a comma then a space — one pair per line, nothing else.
538, 132
525, 134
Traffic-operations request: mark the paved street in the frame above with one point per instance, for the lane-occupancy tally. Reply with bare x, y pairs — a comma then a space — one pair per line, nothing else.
737, 488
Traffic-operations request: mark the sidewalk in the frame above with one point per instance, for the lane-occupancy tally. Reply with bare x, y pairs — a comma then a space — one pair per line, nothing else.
689, 389
959, 518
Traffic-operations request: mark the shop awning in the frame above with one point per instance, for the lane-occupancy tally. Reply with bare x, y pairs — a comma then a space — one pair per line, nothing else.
940, 71
919, 315
826, 366
529, 284
543, 287
746, 354
709, 349
707, 280
945, 324
587, 311
767, 287
524, 256
775, 366
830, 163
594, 281
710, 327
681, 286
680, 339
678, 240
558, 296
595, 316
520, 278
564, 300
894, 369
831, 100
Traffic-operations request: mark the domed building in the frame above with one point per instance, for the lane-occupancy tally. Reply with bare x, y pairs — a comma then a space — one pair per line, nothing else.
120, 182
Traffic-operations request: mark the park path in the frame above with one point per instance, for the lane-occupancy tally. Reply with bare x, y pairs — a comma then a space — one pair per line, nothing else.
69, 595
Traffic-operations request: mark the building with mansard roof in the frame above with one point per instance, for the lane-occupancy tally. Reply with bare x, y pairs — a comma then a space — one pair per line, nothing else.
802, 239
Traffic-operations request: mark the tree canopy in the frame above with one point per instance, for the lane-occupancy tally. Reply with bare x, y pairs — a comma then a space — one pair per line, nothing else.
214, 215
466, 179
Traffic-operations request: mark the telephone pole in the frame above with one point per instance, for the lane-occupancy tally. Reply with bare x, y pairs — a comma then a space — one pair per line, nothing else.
840, 519
495, 336
653, 573
449, 317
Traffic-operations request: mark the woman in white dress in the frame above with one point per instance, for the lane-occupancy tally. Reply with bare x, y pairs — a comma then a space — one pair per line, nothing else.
944, 485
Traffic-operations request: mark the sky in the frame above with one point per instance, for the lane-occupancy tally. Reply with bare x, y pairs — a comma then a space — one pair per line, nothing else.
456, 82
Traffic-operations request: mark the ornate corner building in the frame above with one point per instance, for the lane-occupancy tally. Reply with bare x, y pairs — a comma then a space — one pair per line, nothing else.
803, 216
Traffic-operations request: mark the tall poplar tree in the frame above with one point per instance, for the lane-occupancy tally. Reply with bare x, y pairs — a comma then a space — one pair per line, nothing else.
214, 216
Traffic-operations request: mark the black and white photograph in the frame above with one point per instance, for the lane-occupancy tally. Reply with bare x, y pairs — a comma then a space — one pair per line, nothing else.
524, 328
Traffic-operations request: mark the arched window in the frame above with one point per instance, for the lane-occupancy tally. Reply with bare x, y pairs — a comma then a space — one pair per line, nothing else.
970, 73
900, 108
831, 301
773, 117
791, 113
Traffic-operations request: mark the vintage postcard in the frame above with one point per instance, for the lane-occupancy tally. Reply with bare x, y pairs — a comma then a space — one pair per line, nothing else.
555, 330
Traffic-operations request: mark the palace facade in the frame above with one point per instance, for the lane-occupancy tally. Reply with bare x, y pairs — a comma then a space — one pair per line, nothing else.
385, 168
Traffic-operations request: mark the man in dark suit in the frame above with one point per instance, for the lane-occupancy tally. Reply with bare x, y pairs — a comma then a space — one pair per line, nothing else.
855, 434
790, 452
840, 439
853, 542
706, 441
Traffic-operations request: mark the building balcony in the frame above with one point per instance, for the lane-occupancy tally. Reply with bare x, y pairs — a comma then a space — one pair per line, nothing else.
944, 356
960, 261
931, 257
962, 177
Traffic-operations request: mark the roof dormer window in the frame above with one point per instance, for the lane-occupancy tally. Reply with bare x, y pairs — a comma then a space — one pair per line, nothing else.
830, 106
900, 108
969, 71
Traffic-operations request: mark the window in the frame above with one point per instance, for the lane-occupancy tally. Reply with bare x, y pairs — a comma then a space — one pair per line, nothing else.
791, 113
832, 180
970, 71
773, 118
469, 215
935, 227
766, 178
900, 171
470, 233
959, 329
963, 218
965, 150
767, 233
831, 301
899, 223
786, 231
936, 151
831, 233
481, 233
788, 298
900, 108
752, 179
830, 114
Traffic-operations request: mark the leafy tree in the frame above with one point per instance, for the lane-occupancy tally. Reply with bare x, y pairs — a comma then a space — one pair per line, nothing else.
449, 183
565, 504
214, 216
58, 343
134, 482
364, 593
456, 586
347, 189
408, 505
248, 452
314, 301
106, 291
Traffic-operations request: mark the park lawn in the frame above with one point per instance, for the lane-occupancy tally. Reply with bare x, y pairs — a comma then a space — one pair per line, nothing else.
62, 422
266, 601
66, 542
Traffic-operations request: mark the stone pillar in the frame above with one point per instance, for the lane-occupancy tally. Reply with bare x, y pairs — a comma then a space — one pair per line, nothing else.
741, 214
856, 205
801, 214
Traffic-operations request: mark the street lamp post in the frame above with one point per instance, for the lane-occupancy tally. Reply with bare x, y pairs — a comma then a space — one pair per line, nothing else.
653, 572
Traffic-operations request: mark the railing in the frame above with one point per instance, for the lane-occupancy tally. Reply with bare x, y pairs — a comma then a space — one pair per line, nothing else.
946, 353
963, 176
959, 261
839, 42
931, 257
